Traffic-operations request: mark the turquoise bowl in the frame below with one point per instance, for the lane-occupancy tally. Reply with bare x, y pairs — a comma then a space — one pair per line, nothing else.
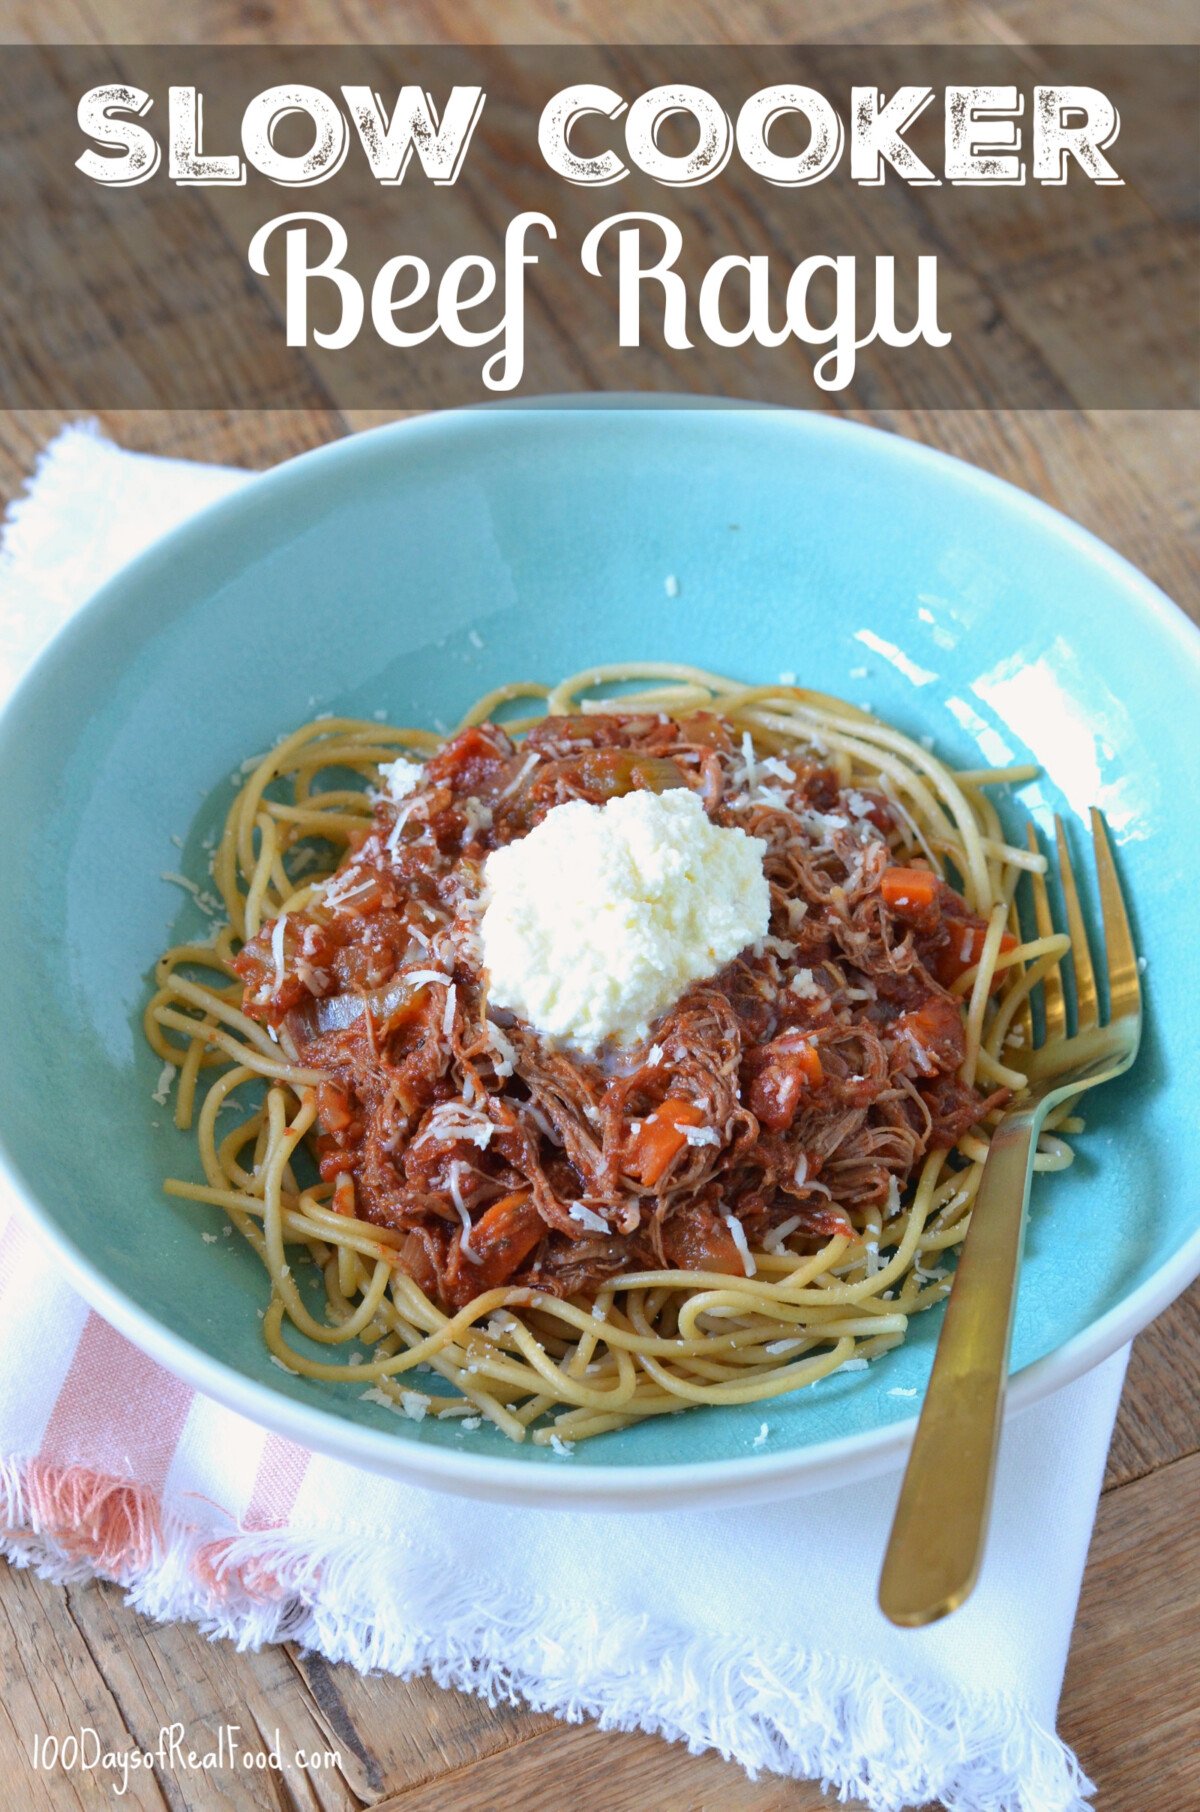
406, 570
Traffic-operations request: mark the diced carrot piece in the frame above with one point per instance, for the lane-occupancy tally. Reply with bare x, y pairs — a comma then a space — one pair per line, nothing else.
937, 1028
500, 1242
965, 949
695, 1239
659, 1139
775, 1096
808, 1058
912, 894
791, 1067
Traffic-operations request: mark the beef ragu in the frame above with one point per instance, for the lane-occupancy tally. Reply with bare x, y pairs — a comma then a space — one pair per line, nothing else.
769, 1107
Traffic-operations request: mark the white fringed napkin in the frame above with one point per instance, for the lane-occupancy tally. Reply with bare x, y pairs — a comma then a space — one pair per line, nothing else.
754, 1632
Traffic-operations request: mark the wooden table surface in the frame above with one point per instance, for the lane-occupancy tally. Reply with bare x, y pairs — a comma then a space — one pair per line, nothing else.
1131, 1703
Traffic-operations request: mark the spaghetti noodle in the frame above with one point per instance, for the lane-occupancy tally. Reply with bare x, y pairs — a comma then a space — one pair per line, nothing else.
759, 1196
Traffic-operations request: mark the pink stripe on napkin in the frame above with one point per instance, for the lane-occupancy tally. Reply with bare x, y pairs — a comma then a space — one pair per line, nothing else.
280, 1475
117, 1411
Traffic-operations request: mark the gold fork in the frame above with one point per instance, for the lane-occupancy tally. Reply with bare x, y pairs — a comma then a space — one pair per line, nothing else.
940, 1525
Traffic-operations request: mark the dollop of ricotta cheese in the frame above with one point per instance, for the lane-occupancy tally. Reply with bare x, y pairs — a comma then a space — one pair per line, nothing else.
597, 921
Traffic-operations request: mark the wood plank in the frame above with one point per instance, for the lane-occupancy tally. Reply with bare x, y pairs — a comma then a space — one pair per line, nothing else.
1159, 1419
1164, 444
52, 1685
397, 1734
482, 22
169, 1674
1094, 21
608, 1770
599, 21
1133, 1679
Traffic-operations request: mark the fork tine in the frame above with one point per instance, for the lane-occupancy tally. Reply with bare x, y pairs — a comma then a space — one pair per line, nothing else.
1086, 1011
1124, 990
1022, 1025
1053, 1004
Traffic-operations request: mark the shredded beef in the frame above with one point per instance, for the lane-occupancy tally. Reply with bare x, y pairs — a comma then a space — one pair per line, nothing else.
812, 1072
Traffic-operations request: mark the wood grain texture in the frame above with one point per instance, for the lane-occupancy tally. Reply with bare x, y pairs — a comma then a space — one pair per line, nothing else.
76, 1655
1132, 1691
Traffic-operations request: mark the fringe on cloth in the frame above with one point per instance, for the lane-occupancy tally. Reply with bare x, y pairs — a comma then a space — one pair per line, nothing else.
864, 1734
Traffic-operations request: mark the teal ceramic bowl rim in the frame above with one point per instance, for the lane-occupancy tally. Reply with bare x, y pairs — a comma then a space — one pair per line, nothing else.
743, 1479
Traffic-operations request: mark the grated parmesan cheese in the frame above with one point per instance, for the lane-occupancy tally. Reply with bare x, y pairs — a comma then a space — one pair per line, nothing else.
773, 1241
587, 1217
738, 1235
451, 1120
207, 902
277, 948
401, 777
464, 1243
477, 814
413, 1403
411, 808
506, 1057
526, 768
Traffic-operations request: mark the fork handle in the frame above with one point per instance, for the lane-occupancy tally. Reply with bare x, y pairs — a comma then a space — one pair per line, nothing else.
941, 1519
